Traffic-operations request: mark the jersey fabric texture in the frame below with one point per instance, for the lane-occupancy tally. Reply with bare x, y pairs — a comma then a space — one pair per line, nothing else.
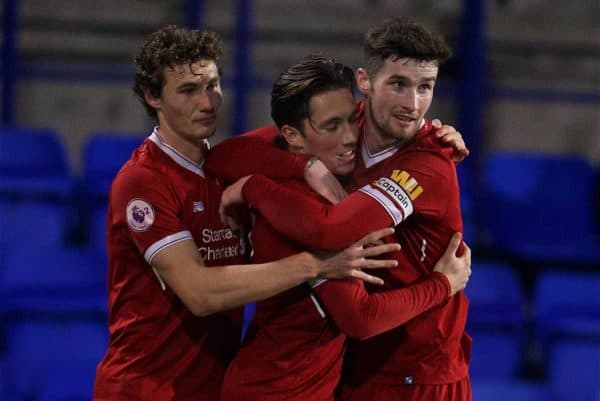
292, 351
158, 349
419, 184
415, 185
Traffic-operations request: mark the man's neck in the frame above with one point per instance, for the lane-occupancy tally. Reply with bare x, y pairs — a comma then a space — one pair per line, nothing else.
193, 151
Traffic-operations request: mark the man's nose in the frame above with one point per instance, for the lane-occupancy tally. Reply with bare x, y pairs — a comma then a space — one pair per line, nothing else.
410, 100
206, 101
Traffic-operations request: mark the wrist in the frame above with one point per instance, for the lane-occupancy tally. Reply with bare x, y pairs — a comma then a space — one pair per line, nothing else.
443, 280
313, 266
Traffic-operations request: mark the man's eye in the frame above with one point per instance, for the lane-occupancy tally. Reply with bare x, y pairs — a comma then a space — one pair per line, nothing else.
332, 127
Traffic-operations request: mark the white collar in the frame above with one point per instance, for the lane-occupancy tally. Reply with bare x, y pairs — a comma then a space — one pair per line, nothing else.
372, 159
174, 154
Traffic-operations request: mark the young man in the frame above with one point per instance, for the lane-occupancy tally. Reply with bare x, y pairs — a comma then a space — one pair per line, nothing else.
403, 176
292, 351
167, 339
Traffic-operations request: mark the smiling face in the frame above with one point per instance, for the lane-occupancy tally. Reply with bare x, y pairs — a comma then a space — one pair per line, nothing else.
188, 105
398, 97
330, 132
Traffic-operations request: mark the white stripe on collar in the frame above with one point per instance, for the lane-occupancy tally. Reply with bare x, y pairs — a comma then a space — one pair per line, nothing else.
176, 155
372, 159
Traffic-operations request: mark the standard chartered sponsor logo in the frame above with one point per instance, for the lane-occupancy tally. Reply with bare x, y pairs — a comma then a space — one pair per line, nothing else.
210, 253
210, 236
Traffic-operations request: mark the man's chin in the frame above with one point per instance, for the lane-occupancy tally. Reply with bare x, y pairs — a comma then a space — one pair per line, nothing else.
344, 171
208, 133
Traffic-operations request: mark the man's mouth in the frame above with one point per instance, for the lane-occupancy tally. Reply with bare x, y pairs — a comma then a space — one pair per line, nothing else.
347, 155
207, 119
405, 119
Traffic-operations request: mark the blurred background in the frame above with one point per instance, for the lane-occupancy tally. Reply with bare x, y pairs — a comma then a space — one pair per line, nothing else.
523, 89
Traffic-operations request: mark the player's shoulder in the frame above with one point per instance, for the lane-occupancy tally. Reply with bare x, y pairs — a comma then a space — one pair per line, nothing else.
267, 133
426, 141
143, 168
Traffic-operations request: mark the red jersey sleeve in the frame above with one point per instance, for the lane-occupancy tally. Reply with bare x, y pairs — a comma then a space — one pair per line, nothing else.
420, 184
360, 314
147, 206
312, 221
254, 153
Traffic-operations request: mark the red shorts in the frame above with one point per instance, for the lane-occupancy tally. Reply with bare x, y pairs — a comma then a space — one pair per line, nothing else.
369, 391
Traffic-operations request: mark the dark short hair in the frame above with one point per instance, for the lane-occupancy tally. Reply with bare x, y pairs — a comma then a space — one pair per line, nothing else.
168, 47
295, 87
402, 38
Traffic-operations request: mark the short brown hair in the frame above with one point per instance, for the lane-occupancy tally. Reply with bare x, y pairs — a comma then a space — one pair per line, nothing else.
295, 87
168, 47
402, 38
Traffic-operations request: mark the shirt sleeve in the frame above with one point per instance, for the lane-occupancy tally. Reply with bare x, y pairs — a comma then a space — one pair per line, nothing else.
254, 153
312, 222
360, 314
149, 209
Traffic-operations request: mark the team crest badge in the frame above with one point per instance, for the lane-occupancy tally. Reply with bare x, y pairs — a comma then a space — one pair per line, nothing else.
140, 215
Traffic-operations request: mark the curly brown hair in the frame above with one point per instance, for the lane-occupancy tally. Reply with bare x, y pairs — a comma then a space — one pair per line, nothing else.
168, 47
403, 38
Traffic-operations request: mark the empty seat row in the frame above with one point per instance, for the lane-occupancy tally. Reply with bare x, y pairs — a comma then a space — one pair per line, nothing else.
34, 163
563, 321
540, 207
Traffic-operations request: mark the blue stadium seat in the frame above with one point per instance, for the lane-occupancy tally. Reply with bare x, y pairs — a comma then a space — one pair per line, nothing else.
467, 204
104, 154
495, 294
40, 280
38, 348
513, 390
567, 310
574, 369
567, 302
96, 228
495, 354
496, 320
74, 381
33, 163
539, 207
33, 224
249, 311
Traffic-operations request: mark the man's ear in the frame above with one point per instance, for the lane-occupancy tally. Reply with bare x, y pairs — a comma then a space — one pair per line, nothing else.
151, 100
362, 81
294, 138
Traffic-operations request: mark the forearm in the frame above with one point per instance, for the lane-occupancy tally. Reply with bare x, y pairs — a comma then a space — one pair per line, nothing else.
206, 290
312, 222
230, 286
360, 314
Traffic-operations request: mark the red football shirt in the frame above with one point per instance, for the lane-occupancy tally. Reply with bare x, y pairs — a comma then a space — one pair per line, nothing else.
158, 349
415, 185
292, 352
418, 183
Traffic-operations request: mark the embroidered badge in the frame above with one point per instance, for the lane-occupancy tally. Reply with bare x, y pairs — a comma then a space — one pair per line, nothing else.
140, 215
